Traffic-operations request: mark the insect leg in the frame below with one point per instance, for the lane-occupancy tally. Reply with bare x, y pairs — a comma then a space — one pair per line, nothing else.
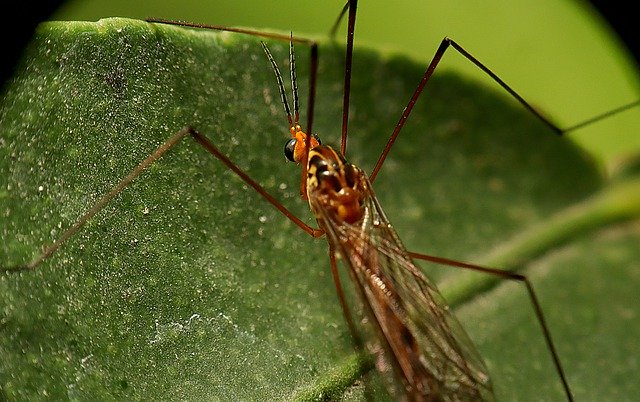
347, 74
137, 171
51, 249
503, 274
444, 45
341, 297
313, 75
314, 232
336, 25
383, 364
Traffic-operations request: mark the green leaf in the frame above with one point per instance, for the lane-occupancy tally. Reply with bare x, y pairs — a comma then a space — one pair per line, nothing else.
586, 72
188, 285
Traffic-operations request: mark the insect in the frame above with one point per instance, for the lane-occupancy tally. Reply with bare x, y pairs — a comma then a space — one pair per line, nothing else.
195, 319
416, 337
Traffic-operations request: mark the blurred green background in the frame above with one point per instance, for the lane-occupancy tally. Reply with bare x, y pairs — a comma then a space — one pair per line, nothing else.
558, 54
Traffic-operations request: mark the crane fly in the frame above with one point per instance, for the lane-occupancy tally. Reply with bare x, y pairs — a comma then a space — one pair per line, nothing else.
419, 342
420, 348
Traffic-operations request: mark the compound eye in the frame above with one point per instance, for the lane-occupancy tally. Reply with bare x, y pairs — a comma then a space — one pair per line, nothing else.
289, 148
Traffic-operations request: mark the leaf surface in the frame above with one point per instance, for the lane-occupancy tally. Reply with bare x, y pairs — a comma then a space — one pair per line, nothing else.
188, 285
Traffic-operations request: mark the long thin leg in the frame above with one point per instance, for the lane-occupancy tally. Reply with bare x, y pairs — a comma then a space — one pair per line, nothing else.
313, 75
148, 161
311, 103
314, 232
252, 32
532, 296
49, 250
120, 186
347, 74
336, 25
342, 299
602, 116
444, 45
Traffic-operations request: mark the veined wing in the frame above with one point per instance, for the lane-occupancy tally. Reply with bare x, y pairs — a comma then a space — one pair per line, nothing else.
419, 340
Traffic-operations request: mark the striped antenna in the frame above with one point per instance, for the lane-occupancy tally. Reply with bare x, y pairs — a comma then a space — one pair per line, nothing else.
294, 82
283, 96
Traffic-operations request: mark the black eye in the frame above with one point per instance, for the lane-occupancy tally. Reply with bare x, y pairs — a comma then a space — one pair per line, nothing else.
289, 147
317, 139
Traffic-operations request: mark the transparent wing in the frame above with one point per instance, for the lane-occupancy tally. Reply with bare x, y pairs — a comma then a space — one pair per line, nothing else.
419, 345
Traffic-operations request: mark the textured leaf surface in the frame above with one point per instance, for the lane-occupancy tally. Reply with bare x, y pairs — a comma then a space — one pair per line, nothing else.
189, 286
